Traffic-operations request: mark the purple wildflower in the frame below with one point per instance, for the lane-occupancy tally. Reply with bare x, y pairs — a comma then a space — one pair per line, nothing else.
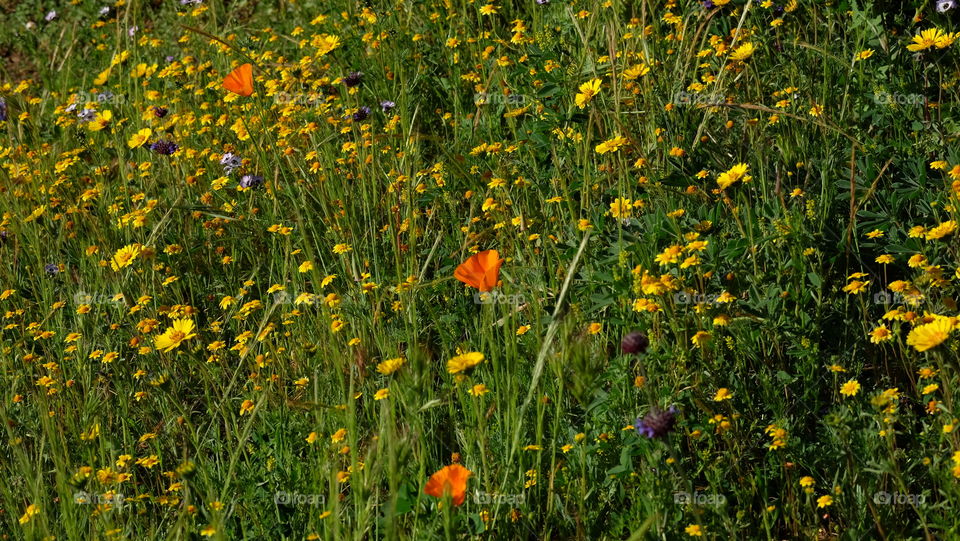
164, 147
361, 114
52, 269
87, 115
387, 105
635, 342
159, 112
946, 5
251, 181
353, 79
657, 423
230, 161
3, 109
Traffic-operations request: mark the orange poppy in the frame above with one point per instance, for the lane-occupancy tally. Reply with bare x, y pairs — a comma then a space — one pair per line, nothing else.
453, 479
481, 271
240, 80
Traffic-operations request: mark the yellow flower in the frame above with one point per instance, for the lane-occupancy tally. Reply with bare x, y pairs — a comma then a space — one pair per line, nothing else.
464, 362
125, 256
863, 55
824, 501
621, 208
669, 255
722, 394
246, 407
588, 90
880, 334
382, 393
139, 138
390, 366
930, 335
479, 390
743, 52
171, 339
850, 388
737, 172
306, 266
31, 511
694, 530
942, 230
856, 287
611, 145
932, 37
701, 338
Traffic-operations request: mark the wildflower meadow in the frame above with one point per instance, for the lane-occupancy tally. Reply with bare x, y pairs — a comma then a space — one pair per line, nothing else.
479, 269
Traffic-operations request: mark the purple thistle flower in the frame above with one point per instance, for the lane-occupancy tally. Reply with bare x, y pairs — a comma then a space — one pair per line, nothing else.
353, 79
251, 181
361, 114
387, 105
635, 342
657, 423
164, 147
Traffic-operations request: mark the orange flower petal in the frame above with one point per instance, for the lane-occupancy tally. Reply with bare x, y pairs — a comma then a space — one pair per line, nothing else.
240, 80
481, 270
452, 479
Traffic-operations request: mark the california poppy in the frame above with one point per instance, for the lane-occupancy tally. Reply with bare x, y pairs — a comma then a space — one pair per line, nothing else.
240, 80
481, 271
453, 479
